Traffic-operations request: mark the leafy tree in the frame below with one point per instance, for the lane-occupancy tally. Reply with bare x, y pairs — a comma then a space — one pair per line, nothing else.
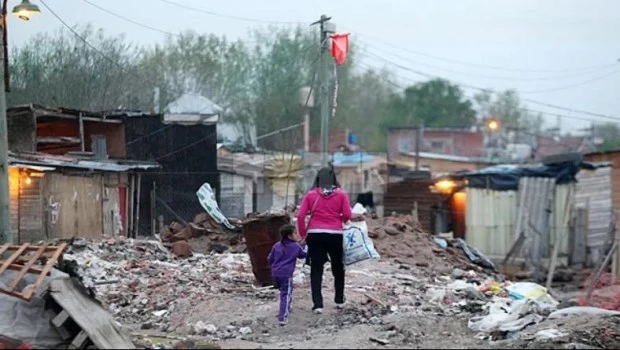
506, 106
283, 62
368, 106
436, 103
59, 69
610, 135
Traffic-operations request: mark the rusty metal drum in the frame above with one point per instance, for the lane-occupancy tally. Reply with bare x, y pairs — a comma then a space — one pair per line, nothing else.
260, 234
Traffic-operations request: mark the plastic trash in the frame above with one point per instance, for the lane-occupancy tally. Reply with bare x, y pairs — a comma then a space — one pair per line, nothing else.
358, 209
505, 317
473, 254
441, 242
357, 245
206, 197
532, 291
582, 310
551, 333
435, 295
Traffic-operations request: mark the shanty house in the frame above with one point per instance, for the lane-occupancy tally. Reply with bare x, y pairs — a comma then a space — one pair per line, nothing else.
63, 180
183, 141
498, 205
63, 197
257, 182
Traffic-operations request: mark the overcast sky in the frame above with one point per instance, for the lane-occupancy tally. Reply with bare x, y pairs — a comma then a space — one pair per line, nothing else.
569, 47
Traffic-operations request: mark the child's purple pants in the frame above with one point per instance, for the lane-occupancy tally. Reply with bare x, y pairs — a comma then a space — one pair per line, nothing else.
285, 284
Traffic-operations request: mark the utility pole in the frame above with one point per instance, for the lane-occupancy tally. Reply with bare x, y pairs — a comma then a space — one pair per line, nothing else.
5, 217
418, 143
324, 78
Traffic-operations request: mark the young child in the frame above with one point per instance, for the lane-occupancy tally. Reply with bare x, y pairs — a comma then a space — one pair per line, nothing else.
282, 259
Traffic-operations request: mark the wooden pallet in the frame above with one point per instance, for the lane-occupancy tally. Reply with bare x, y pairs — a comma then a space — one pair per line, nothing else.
24, 259
84, 322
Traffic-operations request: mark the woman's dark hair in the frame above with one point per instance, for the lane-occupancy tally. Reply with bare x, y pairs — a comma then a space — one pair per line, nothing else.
286, 231
325, 178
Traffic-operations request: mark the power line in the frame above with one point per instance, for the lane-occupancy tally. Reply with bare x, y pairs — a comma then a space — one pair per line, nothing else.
483, 65
238, 18
129, 19
202, 139
398, 86
93, 47
586, 82
564, 76
477, 88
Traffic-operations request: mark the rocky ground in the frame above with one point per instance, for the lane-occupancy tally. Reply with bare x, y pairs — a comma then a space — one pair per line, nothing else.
420, 294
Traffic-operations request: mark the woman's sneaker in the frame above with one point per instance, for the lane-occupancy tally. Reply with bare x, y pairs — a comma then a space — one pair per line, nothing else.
340, 306
283, 323
318, 310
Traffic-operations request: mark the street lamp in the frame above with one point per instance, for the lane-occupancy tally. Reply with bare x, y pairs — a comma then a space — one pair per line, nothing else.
24, 10
493, 125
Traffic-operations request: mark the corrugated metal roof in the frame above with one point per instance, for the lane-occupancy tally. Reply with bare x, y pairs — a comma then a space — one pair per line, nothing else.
440, 156
51, 162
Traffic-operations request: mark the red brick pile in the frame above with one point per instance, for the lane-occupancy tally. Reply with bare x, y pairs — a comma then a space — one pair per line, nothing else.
401, 237
203, 235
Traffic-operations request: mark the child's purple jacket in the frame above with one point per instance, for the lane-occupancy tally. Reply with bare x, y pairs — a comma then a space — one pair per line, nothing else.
283, 257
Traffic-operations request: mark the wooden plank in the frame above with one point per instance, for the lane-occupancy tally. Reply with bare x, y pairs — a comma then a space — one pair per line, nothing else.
79, 341
615, 267
578, 246
81, 124
600, 271
4, 248
95, 321
16, 267
46, 270
60, 319
30, 248
12, 258
25, 269
560, 237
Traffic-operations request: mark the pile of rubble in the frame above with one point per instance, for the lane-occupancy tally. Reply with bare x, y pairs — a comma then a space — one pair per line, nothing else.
145, 286
401, 237
203, 235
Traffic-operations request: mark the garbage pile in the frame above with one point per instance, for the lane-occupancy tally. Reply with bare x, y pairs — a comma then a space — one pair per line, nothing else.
143, 286
203, 235
400, 236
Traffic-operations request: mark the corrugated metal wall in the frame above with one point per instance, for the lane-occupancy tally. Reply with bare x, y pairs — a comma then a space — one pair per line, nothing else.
489, 220
495, 218
233, 197
594, 194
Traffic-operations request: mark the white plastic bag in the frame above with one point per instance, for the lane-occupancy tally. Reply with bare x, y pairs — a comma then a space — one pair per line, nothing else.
357, 245
206, 197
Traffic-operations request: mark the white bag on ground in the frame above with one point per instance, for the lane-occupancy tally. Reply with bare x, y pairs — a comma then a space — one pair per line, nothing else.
206, 197
357, 245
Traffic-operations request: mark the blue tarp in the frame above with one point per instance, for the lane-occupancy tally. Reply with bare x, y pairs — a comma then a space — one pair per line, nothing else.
340, 158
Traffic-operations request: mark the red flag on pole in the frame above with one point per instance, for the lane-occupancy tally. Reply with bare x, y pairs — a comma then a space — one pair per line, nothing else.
340, 47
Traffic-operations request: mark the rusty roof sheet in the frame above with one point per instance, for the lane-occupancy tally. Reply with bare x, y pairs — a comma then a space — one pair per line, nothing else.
51, 162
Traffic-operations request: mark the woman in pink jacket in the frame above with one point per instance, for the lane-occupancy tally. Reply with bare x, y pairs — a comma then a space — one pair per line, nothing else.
329, 208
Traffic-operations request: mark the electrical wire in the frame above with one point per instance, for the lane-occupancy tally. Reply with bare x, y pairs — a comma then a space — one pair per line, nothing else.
129, 19
202, 139
525, 109
238, 18
505, 78
93, 47
420, 53
430, 76
477, 88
